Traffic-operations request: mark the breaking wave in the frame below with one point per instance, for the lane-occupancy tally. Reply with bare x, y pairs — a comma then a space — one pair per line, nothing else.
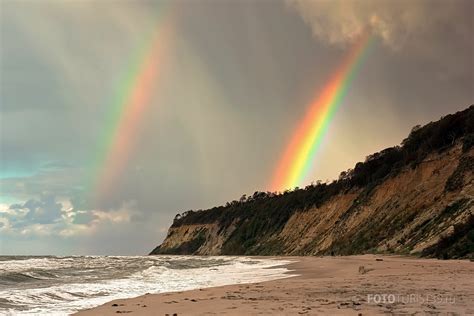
62, 285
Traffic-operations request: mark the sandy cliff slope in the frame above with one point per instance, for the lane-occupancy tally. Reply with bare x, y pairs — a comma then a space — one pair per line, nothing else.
417, 198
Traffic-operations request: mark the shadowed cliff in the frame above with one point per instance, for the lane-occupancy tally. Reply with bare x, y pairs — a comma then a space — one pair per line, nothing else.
416, 198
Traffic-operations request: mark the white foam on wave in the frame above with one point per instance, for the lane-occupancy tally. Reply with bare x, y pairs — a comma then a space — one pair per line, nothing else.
67, 298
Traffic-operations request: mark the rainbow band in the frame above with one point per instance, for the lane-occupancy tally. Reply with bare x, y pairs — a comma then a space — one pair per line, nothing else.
128, 109
299, 156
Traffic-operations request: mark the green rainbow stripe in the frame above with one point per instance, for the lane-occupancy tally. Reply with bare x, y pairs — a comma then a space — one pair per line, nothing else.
127, 109
298, 159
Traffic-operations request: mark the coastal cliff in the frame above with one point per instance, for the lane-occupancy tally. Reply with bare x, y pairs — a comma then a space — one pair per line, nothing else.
416, 198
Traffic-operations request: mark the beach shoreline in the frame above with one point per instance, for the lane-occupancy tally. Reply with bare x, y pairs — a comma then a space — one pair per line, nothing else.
352, 285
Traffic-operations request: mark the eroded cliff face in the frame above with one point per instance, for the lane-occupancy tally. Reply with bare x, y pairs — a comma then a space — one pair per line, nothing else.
417, 198
407, 213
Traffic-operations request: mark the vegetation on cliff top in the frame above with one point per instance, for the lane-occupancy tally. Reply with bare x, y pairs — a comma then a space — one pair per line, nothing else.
265, 213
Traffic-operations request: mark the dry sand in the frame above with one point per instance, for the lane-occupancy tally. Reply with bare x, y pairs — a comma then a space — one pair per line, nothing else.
355, 285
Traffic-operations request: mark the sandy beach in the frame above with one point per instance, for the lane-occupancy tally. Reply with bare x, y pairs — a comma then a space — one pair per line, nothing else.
355, 285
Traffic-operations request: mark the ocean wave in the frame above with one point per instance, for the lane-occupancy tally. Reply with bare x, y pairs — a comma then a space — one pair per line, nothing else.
15, 277
83, 284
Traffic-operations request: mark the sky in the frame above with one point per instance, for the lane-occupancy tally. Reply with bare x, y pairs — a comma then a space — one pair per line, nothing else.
117, 115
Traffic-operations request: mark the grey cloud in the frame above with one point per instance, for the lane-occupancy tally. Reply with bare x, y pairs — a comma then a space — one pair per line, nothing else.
83, 217
435, 37
42, 211
398, 23
81, 210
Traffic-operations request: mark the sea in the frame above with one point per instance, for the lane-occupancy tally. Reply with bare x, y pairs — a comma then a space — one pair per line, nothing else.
52, 285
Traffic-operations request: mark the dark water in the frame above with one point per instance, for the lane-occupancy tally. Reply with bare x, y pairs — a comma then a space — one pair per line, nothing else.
52, 285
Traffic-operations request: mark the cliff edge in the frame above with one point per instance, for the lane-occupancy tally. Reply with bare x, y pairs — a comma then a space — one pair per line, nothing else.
416, 198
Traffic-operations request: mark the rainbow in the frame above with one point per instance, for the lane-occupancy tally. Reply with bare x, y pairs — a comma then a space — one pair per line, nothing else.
127, 111
299, 155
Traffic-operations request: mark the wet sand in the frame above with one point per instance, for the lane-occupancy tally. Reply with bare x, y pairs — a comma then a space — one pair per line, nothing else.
353, 285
